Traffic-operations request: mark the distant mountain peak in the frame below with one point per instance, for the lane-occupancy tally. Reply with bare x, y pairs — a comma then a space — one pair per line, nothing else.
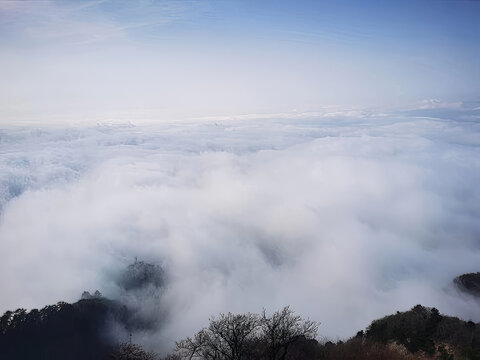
141, 274
469, 283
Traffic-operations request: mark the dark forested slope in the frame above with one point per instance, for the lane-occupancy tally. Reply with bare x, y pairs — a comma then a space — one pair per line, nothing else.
61, 331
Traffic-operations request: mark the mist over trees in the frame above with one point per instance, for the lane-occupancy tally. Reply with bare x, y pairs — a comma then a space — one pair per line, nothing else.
469, 283
82, 330
92, 327
140, 275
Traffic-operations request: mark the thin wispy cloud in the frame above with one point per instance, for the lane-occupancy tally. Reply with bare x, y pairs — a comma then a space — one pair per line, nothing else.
87, 22
185, 59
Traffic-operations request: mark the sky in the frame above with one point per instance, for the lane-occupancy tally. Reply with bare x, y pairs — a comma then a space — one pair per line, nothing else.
166, 60
322, 155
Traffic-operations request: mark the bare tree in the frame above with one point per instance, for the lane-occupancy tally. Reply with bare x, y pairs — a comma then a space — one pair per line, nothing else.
226, 338
194, 348
282, 329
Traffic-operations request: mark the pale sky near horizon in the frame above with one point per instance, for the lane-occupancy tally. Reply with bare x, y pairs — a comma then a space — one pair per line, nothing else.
174, 59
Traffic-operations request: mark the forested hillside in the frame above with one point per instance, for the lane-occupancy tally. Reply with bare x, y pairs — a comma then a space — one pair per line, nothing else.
78, 331
83, 330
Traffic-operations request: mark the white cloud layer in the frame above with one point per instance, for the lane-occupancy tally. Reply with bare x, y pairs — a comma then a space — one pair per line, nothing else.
345, 219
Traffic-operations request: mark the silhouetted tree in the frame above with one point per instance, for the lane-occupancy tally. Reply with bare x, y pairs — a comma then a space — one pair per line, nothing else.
282, 329
226, 338
236, 337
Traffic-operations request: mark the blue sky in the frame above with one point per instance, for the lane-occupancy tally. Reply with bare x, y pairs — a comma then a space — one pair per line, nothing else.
174, 59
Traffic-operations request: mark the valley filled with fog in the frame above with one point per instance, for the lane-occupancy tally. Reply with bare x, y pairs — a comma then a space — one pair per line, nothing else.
344, 216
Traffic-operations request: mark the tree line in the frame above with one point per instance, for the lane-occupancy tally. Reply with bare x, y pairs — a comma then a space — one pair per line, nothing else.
76, 331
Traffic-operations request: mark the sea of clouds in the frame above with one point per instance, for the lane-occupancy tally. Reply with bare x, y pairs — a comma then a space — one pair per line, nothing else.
344, 217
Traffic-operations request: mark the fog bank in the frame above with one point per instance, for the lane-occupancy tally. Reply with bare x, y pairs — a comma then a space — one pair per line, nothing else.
345, 218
